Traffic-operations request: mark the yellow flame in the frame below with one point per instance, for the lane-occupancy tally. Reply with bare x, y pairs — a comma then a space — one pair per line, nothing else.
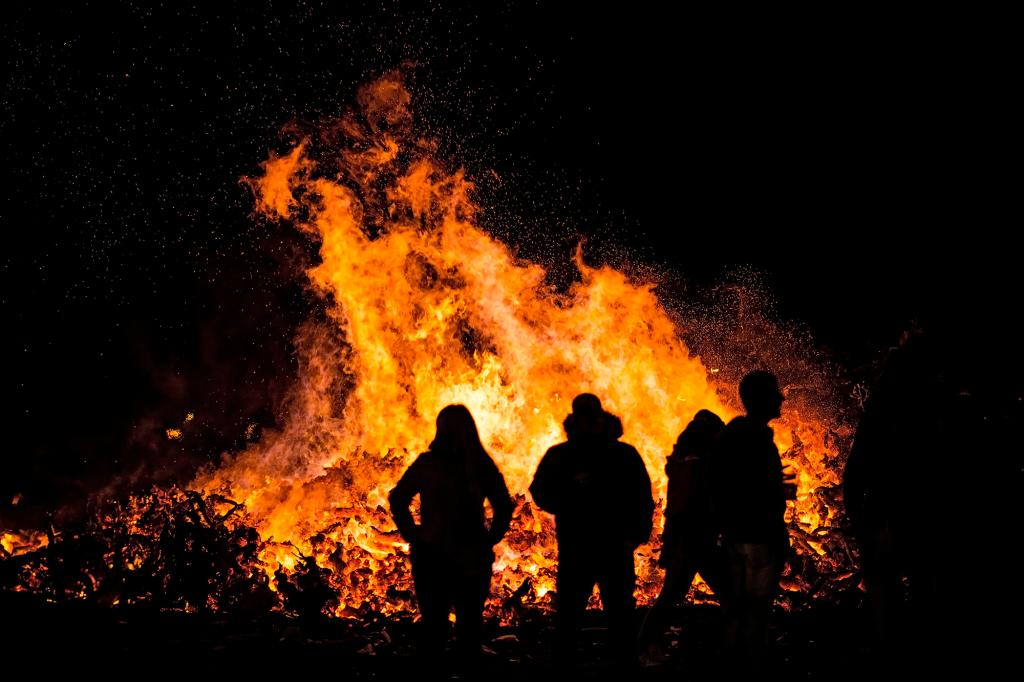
20, 542
431, 311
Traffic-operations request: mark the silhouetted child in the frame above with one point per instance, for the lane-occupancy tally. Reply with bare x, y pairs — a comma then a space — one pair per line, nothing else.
452, 547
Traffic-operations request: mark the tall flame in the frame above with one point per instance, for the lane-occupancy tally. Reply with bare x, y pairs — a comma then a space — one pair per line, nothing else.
427, 309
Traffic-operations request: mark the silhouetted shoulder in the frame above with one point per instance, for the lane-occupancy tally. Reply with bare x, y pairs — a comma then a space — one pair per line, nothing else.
739, 432
739, 423
494, 481
547, 488
560, 450
413, 475
488, 466
625, 448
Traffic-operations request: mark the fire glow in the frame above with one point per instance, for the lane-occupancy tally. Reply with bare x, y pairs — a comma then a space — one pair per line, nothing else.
435, 311
427, 309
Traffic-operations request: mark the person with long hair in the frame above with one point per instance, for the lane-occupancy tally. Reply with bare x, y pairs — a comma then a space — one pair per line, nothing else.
451, 549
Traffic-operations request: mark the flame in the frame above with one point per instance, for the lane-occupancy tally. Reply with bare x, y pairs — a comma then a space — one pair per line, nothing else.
427, 309
22, 542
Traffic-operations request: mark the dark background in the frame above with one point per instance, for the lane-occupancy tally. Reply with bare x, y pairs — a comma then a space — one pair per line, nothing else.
859, 163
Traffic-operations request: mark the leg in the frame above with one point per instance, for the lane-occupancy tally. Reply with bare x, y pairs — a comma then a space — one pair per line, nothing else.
574, 584
883, 584
713, 566
735, 605
759, 584
678, 577
617, 581
431, 584
470, 596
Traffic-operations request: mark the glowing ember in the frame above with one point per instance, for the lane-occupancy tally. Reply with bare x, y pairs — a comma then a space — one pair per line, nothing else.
425, 309
431, 310
22, 542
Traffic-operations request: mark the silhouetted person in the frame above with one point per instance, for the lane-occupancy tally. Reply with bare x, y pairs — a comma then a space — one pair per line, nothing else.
750, 507
599, 491
452, 547
895, 493
690, 539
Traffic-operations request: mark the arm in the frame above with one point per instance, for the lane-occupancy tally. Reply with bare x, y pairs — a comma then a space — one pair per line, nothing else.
545, 486
641, 485
855, 477
501, 502
681, 484
721, 479
400, 498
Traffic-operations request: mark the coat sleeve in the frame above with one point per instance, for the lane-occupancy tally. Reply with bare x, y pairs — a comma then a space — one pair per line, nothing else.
545, 489
720, 478
643, 499
408, 486
855, 473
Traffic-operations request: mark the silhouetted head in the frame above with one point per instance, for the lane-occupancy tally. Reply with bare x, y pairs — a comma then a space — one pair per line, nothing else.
586, 405
706, 419
456, 432
701, 432
760, 393
588, 419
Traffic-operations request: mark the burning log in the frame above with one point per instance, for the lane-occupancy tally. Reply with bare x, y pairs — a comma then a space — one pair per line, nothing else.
307, 590
169, 548
425, 309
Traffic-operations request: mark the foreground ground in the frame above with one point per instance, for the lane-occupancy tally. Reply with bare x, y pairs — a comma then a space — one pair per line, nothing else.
824, 643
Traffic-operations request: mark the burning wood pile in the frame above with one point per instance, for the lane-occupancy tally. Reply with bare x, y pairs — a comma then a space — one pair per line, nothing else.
426, 309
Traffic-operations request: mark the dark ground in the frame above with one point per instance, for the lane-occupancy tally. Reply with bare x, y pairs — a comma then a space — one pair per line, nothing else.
819, 644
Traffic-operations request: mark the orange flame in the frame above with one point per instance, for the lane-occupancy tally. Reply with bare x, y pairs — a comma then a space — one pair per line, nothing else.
429, 311
22, 542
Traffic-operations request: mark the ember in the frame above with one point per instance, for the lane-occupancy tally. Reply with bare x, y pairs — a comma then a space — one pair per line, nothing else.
426, 309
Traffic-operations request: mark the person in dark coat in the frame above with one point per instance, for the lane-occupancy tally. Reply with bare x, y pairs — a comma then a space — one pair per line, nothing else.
749, 497
896, 491
600, 493
451, 549
689, 541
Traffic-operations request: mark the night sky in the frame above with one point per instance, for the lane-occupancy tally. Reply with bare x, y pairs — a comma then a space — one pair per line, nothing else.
860, 168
